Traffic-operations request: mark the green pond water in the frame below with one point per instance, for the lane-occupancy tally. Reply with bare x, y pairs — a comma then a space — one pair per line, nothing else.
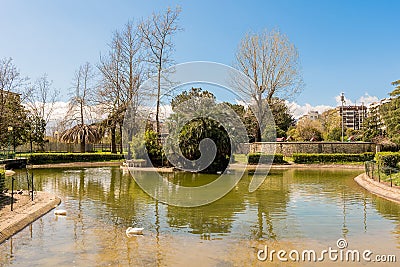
293, 209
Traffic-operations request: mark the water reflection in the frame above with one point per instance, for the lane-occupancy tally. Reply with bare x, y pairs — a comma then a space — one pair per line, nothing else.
292, 207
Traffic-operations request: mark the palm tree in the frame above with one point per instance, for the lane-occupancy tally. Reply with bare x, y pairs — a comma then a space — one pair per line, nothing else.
82, 133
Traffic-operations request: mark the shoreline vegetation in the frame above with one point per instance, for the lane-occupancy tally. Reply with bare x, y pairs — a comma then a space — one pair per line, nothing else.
237, 165
48, 160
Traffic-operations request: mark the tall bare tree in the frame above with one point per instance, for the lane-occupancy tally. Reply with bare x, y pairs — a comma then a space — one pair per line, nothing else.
271, 62
42, 98
10, 77
40, 104
11, 82
121, 73
157, 32
80, 109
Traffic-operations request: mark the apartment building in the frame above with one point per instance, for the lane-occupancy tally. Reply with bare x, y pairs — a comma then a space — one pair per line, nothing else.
352, 115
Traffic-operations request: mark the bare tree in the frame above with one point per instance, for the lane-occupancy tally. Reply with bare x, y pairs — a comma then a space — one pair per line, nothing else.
79, 111
157, 32
42, 98
271, 62
40, 104
10, 82
10, 77
121, 76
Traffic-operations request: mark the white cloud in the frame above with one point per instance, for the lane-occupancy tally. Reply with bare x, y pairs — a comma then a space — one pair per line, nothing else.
59, 111
165, 111
300, 110
366, 100
241, 102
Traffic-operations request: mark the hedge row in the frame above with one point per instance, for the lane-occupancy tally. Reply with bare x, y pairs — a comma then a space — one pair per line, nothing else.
388, 159
322, 158
255, 158
45, 158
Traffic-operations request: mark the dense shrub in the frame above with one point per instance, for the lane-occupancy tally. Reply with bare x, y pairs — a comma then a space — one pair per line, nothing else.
199, 129
45, 158
255, 158
154, 150
325, 158
388, 159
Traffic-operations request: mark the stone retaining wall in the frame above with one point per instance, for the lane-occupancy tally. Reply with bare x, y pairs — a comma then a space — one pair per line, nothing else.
289, 148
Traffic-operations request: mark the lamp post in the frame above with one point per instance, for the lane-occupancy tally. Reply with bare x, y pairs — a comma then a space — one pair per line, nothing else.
343, 101
10, 129
56, 135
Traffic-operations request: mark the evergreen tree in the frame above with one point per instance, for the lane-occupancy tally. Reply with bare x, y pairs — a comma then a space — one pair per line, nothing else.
282, 116
14, 115
391, 114
192, 132
371, 126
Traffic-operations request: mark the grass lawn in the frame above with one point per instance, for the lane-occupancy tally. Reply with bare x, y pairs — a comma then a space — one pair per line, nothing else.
394, 176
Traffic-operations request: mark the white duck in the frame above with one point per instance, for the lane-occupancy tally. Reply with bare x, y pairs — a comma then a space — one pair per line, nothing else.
131, 231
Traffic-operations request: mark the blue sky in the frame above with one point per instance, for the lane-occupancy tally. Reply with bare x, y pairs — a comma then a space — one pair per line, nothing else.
350, 46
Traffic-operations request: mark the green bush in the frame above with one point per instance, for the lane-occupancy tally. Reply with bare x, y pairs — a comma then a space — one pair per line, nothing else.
331, 158
154, 149
388, 159
196, 130
46, 158
255, 158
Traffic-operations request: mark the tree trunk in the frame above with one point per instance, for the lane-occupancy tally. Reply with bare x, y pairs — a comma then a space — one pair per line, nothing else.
257, 138
120, 141
41, 147
113, 141
129, 145
83, 144
158, 101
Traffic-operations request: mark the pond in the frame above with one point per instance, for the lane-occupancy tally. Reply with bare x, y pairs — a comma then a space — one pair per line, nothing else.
294, 209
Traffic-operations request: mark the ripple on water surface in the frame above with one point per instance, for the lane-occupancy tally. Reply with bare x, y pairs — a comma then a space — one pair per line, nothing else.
291, 209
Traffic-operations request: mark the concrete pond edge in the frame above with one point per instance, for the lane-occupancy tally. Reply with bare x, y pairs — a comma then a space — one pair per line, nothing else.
379, 189
21, 220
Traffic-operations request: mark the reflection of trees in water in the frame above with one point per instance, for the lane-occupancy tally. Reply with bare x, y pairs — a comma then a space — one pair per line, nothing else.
216, 217
117, 193
271, 200
387, 209
340, 188
334, 184
122, 202
390, 211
